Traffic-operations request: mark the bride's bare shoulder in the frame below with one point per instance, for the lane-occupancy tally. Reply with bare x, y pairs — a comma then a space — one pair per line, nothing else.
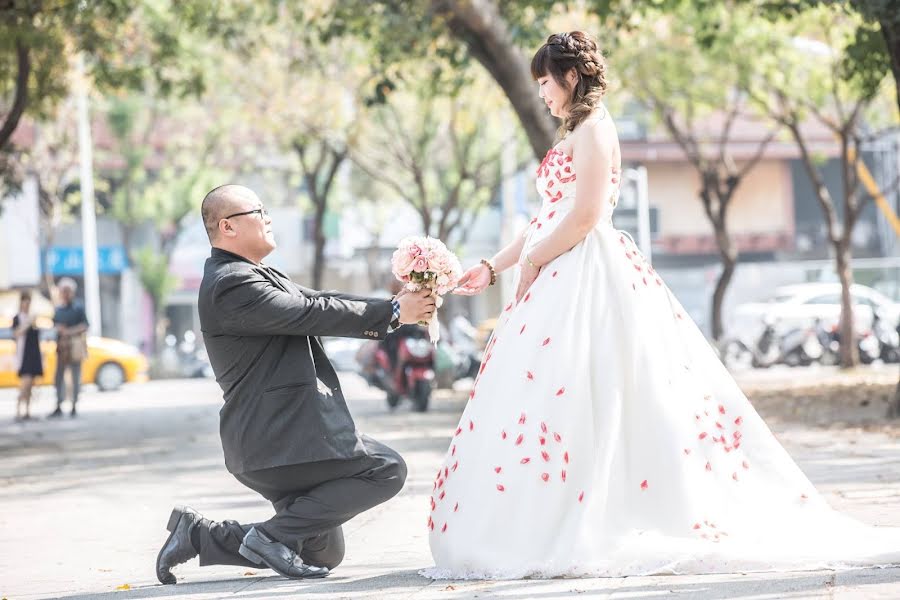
596, 134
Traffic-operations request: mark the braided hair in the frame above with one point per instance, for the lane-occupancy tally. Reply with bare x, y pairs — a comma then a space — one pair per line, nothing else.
563, 52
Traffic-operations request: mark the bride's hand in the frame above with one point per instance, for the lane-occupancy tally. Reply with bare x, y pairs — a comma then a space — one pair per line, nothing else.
473, 281
529, 274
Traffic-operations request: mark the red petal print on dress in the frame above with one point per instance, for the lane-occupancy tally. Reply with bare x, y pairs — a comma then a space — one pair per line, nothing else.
561, 391
453, 450
696, 525
566, 458
471, 425
804, 497
658, 282
563, 475
739, 420
508, 307
458, 431
557, 437
525, 461
500, 487
519, 439
522, 419
719, 425
545, 477
555, 273
737, 445
645, 280
634, 287
455, 466
543, 440
498, 469
702, 435
432, 526
503, 435
721, 410
552, 212
539, 225
550, 184
545, 456
444, 528
734, 476
547, 341
446, 472
440, 483
527, 296
687, 451
456, 507
433, 505
745, 465
443, 493
521, 331
737, 435
543, 427
472, 395
533, 221
644, 484
581, 496
708, 466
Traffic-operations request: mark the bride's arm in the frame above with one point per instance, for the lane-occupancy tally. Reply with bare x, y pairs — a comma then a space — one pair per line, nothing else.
509, 255
592, 157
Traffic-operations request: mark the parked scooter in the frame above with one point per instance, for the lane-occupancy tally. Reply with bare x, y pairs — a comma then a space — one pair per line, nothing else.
888, 336
800, 347
403, 366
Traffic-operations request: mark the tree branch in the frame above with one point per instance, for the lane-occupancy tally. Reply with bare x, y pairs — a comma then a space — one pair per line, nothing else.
20, 100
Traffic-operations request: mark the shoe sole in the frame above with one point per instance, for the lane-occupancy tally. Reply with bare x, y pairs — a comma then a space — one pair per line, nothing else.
174, 518
256, 558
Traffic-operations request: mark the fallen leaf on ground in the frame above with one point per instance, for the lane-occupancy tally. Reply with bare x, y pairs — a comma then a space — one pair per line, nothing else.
249, 574
123, 587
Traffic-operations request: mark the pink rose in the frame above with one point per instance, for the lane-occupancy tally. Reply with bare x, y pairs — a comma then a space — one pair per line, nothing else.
402, 263
414, 250
420, 265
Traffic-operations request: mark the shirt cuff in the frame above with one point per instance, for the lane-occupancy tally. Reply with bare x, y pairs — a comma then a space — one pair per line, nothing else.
395, 315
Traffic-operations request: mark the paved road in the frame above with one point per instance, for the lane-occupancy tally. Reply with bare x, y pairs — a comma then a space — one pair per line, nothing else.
83, 505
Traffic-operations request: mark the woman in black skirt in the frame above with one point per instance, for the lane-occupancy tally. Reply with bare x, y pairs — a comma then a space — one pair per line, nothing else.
28, 352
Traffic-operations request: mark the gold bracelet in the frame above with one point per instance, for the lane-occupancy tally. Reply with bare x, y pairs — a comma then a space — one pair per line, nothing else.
490, 267
528, 259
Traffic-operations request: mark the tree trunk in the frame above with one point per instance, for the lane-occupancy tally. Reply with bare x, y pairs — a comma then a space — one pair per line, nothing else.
894, 406
849, 352
729, 261
20, 100
319, 245
890, 29
478, 24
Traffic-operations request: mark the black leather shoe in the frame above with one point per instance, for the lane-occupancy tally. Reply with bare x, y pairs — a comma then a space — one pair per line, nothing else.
178, 547
55, 414
260, 548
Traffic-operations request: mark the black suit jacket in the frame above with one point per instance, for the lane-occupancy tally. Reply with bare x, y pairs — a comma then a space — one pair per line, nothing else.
283, 401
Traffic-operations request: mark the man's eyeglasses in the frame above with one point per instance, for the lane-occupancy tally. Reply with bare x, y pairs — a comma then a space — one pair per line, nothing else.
261, 211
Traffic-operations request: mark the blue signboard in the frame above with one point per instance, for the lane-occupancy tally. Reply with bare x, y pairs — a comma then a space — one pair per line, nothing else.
69, 260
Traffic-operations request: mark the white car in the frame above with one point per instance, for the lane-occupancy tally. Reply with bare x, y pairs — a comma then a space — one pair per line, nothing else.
798, 305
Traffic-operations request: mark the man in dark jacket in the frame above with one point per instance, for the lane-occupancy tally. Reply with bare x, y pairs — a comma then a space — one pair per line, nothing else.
285, 427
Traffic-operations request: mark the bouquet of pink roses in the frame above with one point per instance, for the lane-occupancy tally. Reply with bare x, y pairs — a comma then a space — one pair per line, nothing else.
425, 262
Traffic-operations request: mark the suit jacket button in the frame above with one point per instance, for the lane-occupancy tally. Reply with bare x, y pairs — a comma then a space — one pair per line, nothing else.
375, 333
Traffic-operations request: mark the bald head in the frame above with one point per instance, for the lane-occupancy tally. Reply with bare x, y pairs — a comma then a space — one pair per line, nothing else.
223, 201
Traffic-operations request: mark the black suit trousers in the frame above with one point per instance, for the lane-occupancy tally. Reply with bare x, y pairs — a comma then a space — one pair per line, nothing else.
311, 501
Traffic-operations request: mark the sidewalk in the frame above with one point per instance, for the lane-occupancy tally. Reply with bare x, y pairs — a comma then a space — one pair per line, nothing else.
84, 502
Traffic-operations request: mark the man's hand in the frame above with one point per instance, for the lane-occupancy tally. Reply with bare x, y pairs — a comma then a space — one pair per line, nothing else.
416, 306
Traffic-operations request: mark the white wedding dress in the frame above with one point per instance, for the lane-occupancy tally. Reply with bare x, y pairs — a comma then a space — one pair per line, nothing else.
603, 437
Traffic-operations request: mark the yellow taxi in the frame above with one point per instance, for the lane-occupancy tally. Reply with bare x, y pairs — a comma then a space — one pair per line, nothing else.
109, 363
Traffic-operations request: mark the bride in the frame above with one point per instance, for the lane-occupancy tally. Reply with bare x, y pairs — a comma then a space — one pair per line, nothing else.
602, 436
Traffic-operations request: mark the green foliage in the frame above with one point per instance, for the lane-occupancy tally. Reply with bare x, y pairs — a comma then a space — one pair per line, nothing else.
153, 272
